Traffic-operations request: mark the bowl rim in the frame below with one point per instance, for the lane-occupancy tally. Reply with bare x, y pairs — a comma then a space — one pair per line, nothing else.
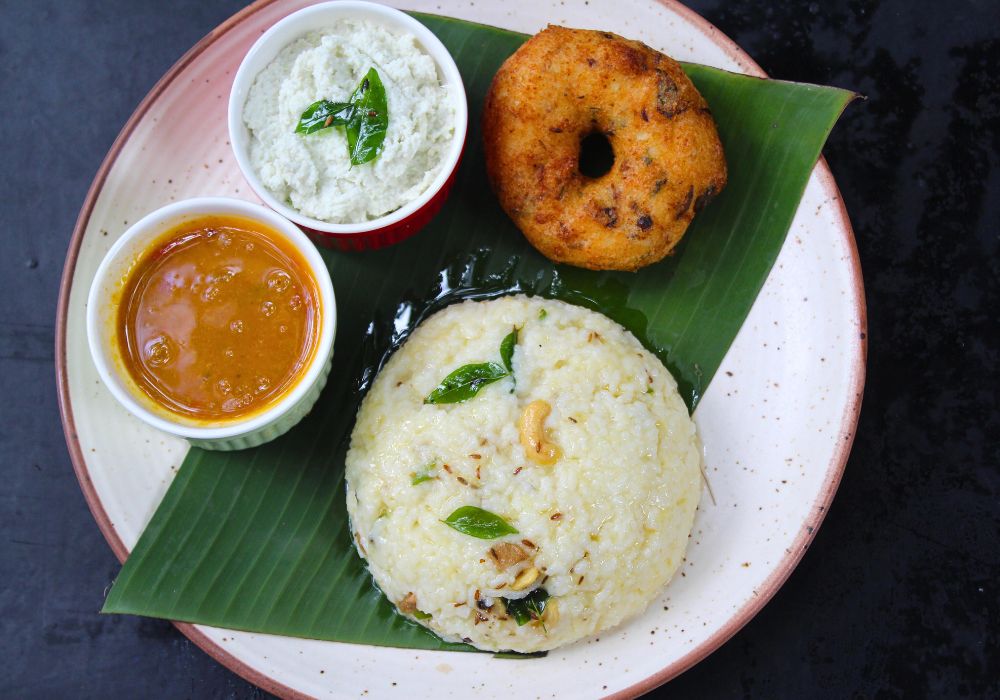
265, 46
146, 231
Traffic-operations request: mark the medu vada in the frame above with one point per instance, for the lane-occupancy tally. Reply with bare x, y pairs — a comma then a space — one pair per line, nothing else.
567, 86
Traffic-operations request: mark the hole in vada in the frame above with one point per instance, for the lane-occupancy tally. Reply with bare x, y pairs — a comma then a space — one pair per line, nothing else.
596, 155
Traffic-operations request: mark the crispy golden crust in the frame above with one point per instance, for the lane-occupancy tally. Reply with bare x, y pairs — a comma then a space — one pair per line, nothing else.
564, 84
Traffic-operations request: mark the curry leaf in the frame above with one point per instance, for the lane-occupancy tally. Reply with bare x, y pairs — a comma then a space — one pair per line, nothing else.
324, 114
507, 350
365, 117
369, 121
476, 522
465, 382
528, 608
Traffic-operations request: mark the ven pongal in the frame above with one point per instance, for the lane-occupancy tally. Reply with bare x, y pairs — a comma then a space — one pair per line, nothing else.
523, 473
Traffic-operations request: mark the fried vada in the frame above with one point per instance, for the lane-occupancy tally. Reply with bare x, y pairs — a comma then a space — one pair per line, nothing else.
562, 90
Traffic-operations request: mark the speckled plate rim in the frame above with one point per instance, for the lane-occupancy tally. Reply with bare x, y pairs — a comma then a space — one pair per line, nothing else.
765, 592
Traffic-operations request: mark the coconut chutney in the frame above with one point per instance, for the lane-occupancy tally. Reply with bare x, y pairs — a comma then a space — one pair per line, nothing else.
313, 173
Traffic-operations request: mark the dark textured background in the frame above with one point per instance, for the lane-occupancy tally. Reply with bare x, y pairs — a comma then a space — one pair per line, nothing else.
898, 594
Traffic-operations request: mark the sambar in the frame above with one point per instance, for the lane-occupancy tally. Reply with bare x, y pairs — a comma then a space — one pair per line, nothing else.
219, 319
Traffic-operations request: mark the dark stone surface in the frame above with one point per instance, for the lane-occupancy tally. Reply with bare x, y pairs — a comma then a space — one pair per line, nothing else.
896, 597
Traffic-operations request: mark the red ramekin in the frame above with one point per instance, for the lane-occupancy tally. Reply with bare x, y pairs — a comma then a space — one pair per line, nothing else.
411, 217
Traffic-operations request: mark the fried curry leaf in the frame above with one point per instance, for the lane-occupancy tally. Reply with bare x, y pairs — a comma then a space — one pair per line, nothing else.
323, 114
507, 350
370, 120
465, 382
365, 118
528, 608
476, 522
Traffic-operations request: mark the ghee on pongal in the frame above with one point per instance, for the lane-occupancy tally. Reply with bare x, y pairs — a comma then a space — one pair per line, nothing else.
599, 529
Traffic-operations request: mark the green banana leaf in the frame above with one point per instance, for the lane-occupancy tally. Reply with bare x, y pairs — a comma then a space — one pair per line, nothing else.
258, 540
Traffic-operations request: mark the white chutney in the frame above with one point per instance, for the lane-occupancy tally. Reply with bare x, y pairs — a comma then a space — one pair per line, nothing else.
313, 173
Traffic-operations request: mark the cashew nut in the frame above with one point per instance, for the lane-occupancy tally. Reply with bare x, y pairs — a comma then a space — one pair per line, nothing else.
533, 437
525, 579
506, 554
409, 603
550, 615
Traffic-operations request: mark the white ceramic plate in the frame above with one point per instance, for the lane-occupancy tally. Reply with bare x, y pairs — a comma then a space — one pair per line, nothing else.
777, 421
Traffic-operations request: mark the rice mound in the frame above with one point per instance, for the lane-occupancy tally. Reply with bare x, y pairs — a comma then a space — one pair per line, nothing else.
605, 526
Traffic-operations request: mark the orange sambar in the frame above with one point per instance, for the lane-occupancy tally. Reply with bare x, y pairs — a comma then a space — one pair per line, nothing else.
219, 319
